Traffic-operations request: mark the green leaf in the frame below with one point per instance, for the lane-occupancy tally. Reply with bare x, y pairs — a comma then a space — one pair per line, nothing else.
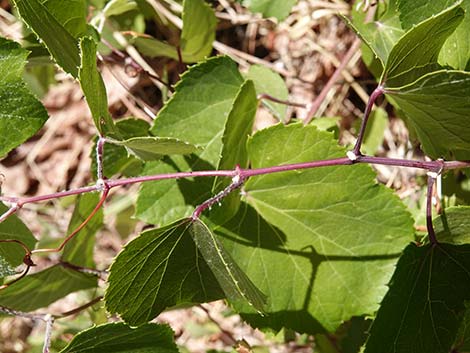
45, 287
268, 82
162, 202
342, 232
421, 45
380, 35
436, 106
79, 250
234, 282
21, 114
154, 148
239, 126
453, 225
165, 201
93, 88
153, 47
161, 268
57, 26
119, 337
197, 36
5, 269
198, 32
279, 9
425, 304
180, 264
375, 130
456, 50
13, 228
118, 7
413, 12
203, 98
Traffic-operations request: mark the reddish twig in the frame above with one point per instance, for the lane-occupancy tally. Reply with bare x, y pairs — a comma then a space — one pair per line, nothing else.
80, 227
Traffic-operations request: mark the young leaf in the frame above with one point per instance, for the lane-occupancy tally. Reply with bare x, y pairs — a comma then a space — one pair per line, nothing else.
424, 306
79, 250
336, 221
237, 129
13, 228
48, 20
159, 269
93, 88
234, 282
21, 114
121, 338
45, 287
421, 45
269, 82
436, 106
279, 9
115, 158
154, 148
203, 97
198, 32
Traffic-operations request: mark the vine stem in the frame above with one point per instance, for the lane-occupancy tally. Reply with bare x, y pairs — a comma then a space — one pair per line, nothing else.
243, 173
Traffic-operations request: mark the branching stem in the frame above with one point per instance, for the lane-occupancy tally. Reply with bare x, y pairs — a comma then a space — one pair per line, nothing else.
80, 227
244, 173
370, 104
237, 181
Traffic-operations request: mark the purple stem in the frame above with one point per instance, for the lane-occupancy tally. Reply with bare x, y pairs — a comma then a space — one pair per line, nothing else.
429, 226
370, 104
244, 173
